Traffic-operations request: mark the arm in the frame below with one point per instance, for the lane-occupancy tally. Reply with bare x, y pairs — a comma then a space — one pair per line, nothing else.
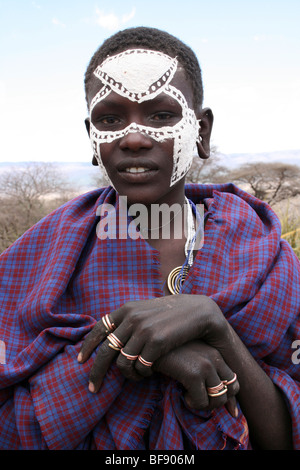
261, 401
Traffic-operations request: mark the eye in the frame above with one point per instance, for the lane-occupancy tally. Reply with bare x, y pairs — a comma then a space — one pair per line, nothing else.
165, 118
108, 120
162, 116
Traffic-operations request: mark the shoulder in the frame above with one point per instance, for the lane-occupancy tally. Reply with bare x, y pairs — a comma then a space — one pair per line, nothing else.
231, 200
236, 213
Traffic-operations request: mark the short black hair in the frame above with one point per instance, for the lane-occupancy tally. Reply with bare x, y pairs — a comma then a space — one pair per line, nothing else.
155, 39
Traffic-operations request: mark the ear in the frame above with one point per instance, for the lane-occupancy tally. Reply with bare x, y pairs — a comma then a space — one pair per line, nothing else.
87, 123
88, 127
206, 124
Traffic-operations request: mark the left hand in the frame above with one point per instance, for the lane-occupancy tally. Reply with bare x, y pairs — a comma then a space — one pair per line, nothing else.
197, 367
150, 329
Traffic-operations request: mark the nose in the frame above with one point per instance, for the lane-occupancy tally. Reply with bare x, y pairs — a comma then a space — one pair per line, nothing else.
135, 140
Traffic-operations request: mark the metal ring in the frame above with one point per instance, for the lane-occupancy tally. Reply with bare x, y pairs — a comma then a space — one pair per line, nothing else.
115, 341
129, 356
114, 347
144, 362
229, 382
218, 394
216, 389
109, 326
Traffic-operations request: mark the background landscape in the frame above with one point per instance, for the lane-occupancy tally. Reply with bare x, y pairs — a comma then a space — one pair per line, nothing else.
31, 190
81, 174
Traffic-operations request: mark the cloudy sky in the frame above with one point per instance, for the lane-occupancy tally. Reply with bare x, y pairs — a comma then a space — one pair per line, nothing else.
248, 50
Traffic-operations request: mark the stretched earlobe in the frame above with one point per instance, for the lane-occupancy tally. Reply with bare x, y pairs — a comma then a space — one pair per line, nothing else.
206, 124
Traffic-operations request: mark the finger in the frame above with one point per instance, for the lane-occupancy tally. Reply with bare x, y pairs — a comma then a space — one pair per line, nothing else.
92, 340
229, 378
144, 366
103, 360
231, 406
227, 389
106, 353
217, 390
102, 328
126, 364
196, 397
130, 356
150, 351
198, 391
232, 384
233, 388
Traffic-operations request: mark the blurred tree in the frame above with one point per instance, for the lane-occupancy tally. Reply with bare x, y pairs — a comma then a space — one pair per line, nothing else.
207, 171
272, 182
27, 194
99, 180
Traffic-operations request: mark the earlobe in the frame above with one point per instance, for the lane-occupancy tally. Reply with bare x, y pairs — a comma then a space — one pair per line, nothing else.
206, 124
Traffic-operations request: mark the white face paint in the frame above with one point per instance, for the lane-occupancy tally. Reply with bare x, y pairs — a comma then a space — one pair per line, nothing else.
141, 75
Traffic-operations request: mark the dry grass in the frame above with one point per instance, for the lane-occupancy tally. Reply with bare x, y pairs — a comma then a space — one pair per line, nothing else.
290, 223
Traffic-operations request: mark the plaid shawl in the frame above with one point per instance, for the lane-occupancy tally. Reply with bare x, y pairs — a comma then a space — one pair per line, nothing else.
58, 279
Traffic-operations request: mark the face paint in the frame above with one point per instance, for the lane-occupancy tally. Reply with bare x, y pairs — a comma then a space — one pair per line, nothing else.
141, 75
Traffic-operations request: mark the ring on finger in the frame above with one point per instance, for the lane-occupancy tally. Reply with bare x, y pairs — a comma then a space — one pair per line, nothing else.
217, 391
114, 341
144, 362
129, 356
229, 382
109, 326
114, 347
222, 392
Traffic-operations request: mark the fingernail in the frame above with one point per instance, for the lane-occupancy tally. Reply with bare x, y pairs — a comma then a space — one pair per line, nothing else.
232, 407
91, 387
79, 357
188, 402
233, 410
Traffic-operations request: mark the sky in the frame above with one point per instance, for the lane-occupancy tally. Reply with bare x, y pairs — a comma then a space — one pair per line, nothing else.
249, 52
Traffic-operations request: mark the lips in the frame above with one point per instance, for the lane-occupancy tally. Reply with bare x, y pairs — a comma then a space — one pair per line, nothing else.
134, 171
136, 165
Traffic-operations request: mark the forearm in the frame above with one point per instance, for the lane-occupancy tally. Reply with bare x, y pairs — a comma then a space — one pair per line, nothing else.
261, 401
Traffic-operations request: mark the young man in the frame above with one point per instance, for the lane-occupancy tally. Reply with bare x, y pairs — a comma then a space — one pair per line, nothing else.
192, 344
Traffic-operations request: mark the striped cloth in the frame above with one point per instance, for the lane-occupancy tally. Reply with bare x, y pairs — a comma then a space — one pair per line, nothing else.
58, 279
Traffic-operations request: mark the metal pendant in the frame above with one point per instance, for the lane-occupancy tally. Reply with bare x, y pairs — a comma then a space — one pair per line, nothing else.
175, 280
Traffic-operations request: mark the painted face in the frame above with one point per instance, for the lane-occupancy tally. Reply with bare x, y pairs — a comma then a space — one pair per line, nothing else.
141, 75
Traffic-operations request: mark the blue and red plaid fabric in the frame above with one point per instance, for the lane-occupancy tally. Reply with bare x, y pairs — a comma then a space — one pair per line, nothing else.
58, 279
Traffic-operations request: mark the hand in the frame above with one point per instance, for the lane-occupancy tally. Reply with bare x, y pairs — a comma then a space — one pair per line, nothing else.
197, 367
150, 329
